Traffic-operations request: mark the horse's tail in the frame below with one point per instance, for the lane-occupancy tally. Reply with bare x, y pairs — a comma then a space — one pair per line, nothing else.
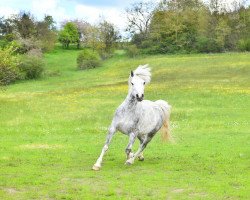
165, 129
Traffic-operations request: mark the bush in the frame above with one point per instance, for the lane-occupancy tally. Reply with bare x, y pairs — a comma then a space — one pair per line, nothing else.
35, 53
25, 45
31, 66
48, 41
207, 45
88, 59
9, 71
244, 45
7, 40
132, 51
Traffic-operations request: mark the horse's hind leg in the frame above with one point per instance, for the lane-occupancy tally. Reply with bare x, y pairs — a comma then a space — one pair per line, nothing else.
97, 165
139, 151
128, 149
140, 156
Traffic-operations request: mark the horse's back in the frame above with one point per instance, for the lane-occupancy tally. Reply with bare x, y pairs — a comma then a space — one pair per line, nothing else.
159, 103
164, 105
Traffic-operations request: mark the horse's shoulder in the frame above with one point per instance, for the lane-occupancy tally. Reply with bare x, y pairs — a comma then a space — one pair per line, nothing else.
120, 110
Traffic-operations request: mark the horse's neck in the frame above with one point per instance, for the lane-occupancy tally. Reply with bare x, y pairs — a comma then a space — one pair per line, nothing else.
130, 102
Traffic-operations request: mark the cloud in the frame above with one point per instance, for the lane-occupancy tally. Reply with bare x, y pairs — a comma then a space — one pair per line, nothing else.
98, 2
7, 11
93, 14
50, 7
108, 3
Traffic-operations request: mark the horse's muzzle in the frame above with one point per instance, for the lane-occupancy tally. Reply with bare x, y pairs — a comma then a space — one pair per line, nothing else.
139, 98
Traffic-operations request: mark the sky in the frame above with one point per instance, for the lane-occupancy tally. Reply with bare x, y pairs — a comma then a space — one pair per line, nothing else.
89, 10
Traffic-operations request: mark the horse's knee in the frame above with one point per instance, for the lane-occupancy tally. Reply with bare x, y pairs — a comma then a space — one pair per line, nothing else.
127, 151
143, 145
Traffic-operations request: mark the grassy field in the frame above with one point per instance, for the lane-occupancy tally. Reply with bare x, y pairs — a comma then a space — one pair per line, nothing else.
52, 131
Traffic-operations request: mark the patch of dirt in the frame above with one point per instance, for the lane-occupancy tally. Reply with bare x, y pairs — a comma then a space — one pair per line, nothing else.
41, 146
10, 190
196, 194
178, 190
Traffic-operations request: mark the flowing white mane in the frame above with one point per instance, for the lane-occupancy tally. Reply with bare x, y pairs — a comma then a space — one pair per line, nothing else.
143, 71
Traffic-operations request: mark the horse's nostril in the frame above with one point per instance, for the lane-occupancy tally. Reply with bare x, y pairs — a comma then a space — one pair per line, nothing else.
142, 95
137, 95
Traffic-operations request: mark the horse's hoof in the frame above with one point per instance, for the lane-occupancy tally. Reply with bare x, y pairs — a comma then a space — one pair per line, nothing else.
129, 162
141, 158
96, 168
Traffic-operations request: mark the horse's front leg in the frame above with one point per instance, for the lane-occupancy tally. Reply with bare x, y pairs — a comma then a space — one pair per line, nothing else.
98, 164
139, 151
128, 150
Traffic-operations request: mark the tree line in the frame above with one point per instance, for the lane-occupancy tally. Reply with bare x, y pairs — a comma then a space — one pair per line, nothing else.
28, 33
186, 26
170, 26
102, 37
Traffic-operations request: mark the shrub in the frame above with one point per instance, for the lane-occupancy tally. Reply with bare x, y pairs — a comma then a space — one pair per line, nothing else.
105, 55
9, 71
88, 59
35, 53
207, 45
31, 66
132, 51
25, 45
7, 40
244, 45
48, 41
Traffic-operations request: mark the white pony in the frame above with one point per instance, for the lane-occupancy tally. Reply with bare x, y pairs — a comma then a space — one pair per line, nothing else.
139, 118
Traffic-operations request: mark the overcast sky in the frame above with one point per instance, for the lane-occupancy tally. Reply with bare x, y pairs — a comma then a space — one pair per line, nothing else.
89, 10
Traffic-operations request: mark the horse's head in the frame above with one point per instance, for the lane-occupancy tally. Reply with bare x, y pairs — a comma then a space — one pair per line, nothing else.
137, 81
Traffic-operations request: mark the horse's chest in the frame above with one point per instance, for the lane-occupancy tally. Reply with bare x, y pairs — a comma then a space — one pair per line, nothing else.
127, 123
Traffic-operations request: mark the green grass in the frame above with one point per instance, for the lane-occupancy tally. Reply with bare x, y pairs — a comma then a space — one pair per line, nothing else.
52, 131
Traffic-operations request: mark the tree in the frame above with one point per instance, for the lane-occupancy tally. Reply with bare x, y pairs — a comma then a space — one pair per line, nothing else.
108, 36
45, 32
139, 16
6, 31
6, 26
82, 27
69, 34
24, 24
174, 26
49, 21
92, 38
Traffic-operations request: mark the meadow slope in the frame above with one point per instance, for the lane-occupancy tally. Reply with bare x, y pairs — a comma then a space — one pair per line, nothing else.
52, 130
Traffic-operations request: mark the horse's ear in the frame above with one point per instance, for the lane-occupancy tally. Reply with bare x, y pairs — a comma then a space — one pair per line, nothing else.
132, 73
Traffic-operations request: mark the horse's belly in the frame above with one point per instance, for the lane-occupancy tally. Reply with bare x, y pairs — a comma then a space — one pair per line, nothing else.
126, 126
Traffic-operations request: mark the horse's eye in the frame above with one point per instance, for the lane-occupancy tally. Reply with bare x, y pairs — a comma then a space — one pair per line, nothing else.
143, 83
132, 83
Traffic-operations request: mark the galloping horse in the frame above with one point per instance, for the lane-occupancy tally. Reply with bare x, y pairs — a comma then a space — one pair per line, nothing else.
138, 118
